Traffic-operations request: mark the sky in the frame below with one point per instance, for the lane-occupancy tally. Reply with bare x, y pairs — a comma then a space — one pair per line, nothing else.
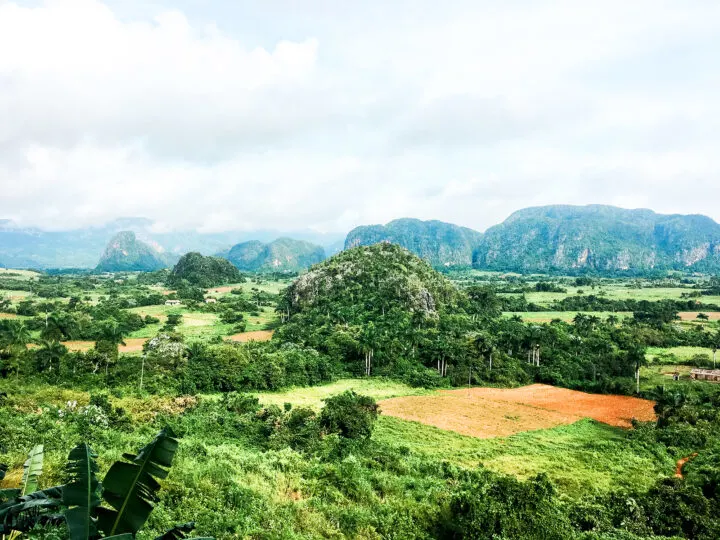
323, 115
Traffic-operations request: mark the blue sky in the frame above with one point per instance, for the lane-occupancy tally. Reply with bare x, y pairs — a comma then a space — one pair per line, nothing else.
325, 115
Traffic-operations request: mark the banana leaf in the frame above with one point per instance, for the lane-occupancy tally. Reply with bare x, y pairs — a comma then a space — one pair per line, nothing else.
32, 470
80, 494
131, 488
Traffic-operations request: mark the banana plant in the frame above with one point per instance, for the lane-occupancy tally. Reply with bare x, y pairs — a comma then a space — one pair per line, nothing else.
129, 488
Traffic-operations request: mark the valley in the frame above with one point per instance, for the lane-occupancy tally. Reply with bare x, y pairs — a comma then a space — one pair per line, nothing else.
242, 365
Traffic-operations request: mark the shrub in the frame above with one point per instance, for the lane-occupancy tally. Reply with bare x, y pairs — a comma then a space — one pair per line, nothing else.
350, 415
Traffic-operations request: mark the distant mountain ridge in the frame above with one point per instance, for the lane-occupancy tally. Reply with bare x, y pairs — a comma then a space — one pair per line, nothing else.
439, 243
599, 238
125, 253
282, 255
556, 238
31, 247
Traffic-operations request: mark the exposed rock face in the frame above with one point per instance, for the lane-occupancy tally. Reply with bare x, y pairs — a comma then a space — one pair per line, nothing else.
381, 271
125, 253
282, 255
599, 238
441, 244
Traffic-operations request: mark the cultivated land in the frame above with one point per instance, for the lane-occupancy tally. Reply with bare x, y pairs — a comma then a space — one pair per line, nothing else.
236, 486
495, 412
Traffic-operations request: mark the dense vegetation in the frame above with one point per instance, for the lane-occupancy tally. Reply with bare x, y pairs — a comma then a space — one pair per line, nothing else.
441, 244
251, 462
198, 270
281, 255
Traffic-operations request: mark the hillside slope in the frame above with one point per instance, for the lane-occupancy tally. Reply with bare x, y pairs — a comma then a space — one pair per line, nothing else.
282, 255
439, 243
599, 238
125, 253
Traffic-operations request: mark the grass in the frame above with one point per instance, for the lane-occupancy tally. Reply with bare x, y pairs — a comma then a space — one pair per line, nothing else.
313, 396
567, 316
18, 274
583, 457
194, 324
615, 291
682, 354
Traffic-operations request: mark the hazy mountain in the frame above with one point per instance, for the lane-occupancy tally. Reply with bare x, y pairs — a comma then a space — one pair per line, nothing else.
29, 247
283, 255
441, 244
125, 253
600, 238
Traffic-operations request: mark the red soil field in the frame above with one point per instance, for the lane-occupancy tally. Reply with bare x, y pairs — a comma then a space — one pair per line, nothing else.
257, 335
499, 412
131, 345
692, 315
220, 289
8, 316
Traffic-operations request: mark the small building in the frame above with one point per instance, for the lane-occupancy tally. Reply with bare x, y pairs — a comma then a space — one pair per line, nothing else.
172, 302
211, 300
712, 375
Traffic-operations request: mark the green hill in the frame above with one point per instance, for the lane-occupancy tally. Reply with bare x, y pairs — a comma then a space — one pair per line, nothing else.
201, 271
441, 244
281, 255
599, 238
125, 253
379, 300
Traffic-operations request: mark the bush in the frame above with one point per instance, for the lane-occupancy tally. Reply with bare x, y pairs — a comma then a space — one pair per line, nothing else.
350, 415
424, 378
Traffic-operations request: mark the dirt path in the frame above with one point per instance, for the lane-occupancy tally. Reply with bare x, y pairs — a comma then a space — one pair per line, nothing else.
681, 463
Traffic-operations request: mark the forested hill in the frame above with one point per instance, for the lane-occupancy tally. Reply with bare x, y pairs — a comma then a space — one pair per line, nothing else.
599, 238
441, 244
126, 253
282, 255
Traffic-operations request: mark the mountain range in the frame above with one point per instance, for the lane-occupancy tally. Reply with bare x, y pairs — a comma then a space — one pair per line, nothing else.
559, 238
282, 255
30, 247
441, 244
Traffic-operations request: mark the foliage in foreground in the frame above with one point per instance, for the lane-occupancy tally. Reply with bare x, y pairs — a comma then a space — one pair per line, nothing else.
129, 489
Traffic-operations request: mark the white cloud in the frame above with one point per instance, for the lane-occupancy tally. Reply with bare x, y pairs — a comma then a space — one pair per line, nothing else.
280, 117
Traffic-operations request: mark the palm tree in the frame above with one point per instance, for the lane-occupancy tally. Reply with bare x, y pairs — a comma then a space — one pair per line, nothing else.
17, 340
110, 337
50, 354
484, 344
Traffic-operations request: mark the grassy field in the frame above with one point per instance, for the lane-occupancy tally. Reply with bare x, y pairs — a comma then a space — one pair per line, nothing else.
615, 292
566, 316
314, 396
584, 457
682, 354
18, 274
194, 324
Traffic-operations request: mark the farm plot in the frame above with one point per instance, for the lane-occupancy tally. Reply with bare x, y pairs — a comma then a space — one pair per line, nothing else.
493, 412
257, 335
565, 316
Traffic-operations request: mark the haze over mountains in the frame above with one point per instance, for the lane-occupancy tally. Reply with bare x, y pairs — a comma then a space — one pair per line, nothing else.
557, 238
282, 255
